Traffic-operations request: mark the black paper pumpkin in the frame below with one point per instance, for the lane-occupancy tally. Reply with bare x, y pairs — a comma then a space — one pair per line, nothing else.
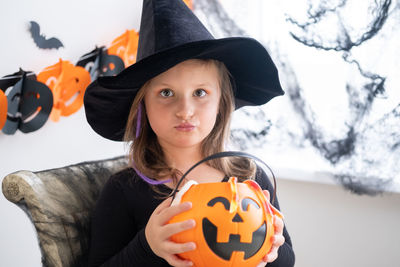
99, 63
29, 105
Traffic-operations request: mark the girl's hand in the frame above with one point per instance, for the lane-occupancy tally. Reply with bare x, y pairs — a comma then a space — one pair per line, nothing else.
278, 238
158, 233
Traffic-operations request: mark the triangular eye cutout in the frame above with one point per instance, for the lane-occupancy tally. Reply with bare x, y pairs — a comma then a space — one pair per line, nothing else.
237, 218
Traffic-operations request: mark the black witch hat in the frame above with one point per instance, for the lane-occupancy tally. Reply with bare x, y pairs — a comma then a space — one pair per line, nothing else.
169, 34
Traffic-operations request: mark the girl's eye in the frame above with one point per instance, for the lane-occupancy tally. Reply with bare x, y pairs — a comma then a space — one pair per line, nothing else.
166, 93
200, 93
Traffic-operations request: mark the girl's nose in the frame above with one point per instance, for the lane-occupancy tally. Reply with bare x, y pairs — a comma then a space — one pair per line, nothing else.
185, 109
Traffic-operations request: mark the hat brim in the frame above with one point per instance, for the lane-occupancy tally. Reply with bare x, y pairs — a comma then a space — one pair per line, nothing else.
108, 99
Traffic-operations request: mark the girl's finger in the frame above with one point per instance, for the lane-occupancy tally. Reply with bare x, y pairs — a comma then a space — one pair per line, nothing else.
279, 240
177, 248
175, 261
163, 205
278, 224
273, 254
168, 213
174, 228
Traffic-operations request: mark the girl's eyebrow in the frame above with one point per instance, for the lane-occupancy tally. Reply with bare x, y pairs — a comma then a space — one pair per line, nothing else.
166, 84
204, 84
162, 84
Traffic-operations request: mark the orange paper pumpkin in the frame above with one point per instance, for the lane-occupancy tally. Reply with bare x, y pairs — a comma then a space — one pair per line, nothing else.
125, 46
234, 224
189, 3
68, 84
3, 109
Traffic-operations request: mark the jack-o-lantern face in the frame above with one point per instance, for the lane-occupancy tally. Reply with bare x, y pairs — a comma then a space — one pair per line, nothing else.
248, 246
68, 84
99, 63
29, 105
233, 224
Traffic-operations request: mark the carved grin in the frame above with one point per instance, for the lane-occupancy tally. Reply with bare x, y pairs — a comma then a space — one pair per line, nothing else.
224, 250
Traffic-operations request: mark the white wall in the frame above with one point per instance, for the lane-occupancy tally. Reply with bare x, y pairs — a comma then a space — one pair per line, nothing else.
332, 227
329, 226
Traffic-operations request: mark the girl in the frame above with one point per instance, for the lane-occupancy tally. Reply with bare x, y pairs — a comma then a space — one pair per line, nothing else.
174, 107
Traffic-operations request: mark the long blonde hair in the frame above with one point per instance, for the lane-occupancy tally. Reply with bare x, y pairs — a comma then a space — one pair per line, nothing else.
148, 157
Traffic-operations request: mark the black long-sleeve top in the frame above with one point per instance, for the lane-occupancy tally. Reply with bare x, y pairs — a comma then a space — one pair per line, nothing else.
120, 217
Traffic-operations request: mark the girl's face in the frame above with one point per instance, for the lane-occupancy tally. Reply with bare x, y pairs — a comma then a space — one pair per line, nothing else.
182, 104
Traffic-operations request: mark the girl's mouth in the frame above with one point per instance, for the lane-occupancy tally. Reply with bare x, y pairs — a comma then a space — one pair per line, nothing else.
185, 127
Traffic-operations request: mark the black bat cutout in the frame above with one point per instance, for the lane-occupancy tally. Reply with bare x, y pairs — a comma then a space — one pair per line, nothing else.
40, 40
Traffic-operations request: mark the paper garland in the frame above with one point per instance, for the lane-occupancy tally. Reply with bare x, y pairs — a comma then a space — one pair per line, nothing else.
26, 102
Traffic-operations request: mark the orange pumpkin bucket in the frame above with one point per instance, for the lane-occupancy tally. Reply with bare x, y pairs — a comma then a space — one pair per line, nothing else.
234, 221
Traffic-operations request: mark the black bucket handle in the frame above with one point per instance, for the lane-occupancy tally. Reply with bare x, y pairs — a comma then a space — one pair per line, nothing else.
224, 155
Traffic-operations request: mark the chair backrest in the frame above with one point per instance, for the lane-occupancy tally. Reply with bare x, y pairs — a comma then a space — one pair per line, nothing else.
59, 204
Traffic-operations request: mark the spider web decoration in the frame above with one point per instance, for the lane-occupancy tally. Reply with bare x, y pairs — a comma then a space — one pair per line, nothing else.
341, 115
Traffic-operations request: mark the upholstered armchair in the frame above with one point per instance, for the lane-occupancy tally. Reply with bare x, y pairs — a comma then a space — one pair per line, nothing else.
59, 204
